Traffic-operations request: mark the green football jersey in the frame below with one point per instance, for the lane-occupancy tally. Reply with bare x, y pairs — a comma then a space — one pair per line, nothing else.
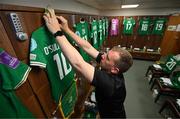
46, 53
159, 25
176, 80
13, 74
128, 25
170, 64
144, 26
100, 32
107, 27
69, 100
81, 29
94, 33
104, 29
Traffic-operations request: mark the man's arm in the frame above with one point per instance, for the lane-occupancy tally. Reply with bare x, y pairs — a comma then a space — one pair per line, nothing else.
85, 45
75, 59
85, 69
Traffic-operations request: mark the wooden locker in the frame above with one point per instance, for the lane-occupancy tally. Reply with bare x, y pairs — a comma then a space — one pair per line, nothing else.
170, 43
24, 92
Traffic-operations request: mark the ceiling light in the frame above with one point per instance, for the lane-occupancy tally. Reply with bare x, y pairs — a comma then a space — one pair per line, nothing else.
130, 6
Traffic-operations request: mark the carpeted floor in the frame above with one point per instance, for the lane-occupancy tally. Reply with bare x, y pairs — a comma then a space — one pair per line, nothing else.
139, 102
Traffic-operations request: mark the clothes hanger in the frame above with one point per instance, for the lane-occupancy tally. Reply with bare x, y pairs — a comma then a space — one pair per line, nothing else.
82, 19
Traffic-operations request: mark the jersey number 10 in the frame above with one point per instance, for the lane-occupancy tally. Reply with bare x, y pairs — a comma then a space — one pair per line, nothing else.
62, 65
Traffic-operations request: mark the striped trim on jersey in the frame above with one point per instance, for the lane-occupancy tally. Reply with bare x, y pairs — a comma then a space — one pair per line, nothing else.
24, 78
40, 64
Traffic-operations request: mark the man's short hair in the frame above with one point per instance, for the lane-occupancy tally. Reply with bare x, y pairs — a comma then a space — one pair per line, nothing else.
125, 61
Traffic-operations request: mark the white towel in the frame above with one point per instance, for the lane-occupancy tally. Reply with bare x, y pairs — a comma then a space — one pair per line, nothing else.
136, 49
150, 50
178, 102
166, 81
157, 66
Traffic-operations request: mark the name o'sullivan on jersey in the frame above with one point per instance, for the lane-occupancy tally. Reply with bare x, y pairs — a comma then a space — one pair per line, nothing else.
47, 50
51, 48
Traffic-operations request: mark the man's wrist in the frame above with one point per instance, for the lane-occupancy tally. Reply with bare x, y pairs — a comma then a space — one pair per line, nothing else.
67, 30
58, 33
99, 57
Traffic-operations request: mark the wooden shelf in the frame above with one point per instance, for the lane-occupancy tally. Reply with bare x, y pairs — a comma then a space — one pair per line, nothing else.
145, 55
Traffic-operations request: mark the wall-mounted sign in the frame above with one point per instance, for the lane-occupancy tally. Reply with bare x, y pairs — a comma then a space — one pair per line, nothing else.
171, 28
178, 28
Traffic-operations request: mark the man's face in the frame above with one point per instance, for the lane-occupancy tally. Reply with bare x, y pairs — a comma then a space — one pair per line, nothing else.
108, 60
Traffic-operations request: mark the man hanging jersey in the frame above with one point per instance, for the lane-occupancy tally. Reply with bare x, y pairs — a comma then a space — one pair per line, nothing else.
100, 32
82, 30
107, 27
46, 53
94, 33
128, 25
159, 25
114, 27
13, 74
144, 26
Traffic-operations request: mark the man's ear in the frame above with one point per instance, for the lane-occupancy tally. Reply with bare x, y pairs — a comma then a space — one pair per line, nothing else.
114, 70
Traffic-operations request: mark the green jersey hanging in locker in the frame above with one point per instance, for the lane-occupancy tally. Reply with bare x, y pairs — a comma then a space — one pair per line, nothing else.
100, 32
82, 30
46, 53
104, 29
159, 25
144, 24
107, 27
13, 74
68, 101
94, 33
176, 80
170, 64
128, 25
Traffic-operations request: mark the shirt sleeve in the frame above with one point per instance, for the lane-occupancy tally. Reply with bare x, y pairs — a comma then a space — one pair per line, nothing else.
13, 72
37, 48
103, 82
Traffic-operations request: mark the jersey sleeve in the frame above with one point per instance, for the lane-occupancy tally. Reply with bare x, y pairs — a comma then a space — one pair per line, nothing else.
13, 72
14, 78
134, 22
87, 32
74, 26
124, 21
36, 49
91, 31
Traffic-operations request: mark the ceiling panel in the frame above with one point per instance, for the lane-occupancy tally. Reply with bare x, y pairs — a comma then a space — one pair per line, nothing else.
143, 4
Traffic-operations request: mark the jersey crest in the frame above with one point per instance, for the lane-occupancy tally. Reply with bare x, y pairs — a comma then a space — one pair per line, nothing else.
33, 44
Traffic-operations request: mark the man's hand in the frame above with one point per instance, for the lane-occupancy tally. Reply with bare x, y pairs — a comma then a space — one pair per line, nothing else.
51, 21
64, 23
